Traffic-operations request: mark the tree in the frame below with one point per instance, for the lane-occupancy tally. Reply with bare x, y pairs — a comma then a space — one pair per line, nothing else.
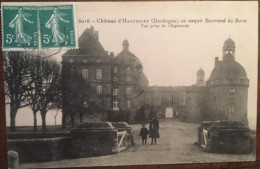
33, 92
17, 80
49, 88
75, 93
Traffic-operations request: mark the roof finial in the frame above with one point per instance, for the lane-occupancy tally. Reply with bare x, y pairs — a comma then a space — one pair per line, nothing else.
229, 36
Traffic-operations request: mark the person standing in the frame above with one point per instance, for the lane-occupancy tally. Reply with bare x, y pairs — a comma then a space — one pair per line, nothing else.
154, 130
143, 133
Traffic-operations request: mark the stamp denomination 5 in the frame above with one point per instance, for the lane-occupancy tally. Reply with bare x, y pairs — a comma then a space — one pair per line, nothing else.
20, 30
38, 27
57, 26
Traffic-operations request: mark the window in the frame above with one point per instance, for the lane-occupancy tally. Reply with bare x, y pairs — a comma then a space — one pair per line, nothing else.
128, 91
85, 104
85, 60
99, 74
201, 78
99, 104
72, 69
214, 98
71, 60
127, 69
115, 105
169, 97
128, 104
232, 91
99, 89
115, 92
84, 73
115, 70
115, 79
231, 109
128, 78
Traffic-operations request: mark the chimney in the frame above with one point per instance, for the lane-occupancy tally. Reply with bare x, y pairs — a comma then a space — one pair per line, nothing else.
92, 29
111, 54
216, 61
96, 35
106, 52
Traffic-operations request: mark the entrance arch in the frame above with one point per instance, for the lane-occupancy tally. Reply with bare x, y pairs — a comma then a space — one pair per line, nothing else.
169, 112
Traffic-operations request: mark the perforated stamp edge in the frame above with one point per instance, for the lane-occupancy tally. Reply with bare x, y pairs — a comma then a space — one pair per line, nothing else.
39, 4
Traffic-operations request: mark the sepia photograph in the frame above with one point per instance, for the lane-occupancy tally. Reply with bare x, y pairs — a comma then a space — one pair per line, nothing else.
129, 83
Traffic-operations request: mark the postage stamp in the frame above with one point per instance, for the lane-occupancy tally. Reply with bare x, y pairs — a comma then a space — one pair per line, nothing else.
57, 28
19, 28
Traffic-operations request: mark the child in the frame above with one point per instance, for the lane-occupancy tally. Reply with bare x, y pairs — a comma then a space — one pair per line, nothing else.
143, 133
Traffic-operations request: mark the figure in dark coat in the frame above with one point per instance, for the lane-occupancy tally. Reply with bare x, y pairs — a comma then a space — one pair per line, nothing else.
154, 130
143, 133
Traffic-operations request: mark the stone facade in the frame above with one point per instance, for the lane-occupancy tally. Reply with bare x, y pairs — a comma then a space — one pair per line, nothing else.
98, 85
101, 86
228, 87
182, 102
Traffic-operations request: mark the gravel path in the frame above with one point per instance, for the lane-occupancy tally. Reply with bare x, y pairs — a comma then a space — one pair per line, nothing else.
175, 145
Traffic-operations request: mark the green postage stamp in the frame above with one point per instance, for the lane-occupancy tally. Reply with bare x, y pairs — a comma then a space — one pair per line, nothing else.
38, 27
20, 29
57, 26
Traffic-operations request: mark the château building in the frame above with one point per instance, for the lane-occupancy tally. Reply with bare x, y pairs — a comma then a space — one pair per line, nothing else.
227, 87
100, 86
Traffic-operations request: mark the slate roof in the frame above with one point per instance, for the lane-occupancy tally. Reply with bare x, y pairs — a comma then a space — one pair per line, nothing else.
228, 69
229, 43
88, 45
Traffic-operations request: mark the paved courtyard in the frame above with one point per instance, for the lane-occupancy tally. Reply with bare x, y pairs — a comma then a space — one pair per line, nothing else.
175, 145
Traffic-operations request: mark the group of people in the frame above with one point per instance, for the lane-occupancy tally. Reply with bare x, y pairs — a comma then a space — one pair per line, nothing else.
153, 131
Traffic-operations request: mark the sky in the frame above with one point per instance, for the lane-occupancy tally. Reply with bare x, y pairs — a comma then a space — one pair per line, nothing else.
171, 56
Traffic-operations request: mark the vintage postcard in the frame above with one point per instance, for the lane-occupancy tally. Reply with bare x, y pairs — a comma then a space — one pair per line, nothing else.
130, 83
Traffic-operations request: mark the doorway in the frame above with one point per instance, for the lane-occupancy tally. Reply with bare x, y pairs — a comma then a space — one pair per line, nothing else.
169, 112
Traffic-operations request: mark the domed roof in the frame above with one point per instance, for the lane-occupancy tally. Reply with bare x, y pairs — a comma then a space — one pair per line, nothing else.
229, 43
126, 57
228, 69
200, 72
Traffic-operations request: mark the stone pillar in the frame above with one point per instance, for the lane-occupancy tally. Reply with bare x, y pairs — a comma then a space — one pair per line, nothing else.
13, 160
